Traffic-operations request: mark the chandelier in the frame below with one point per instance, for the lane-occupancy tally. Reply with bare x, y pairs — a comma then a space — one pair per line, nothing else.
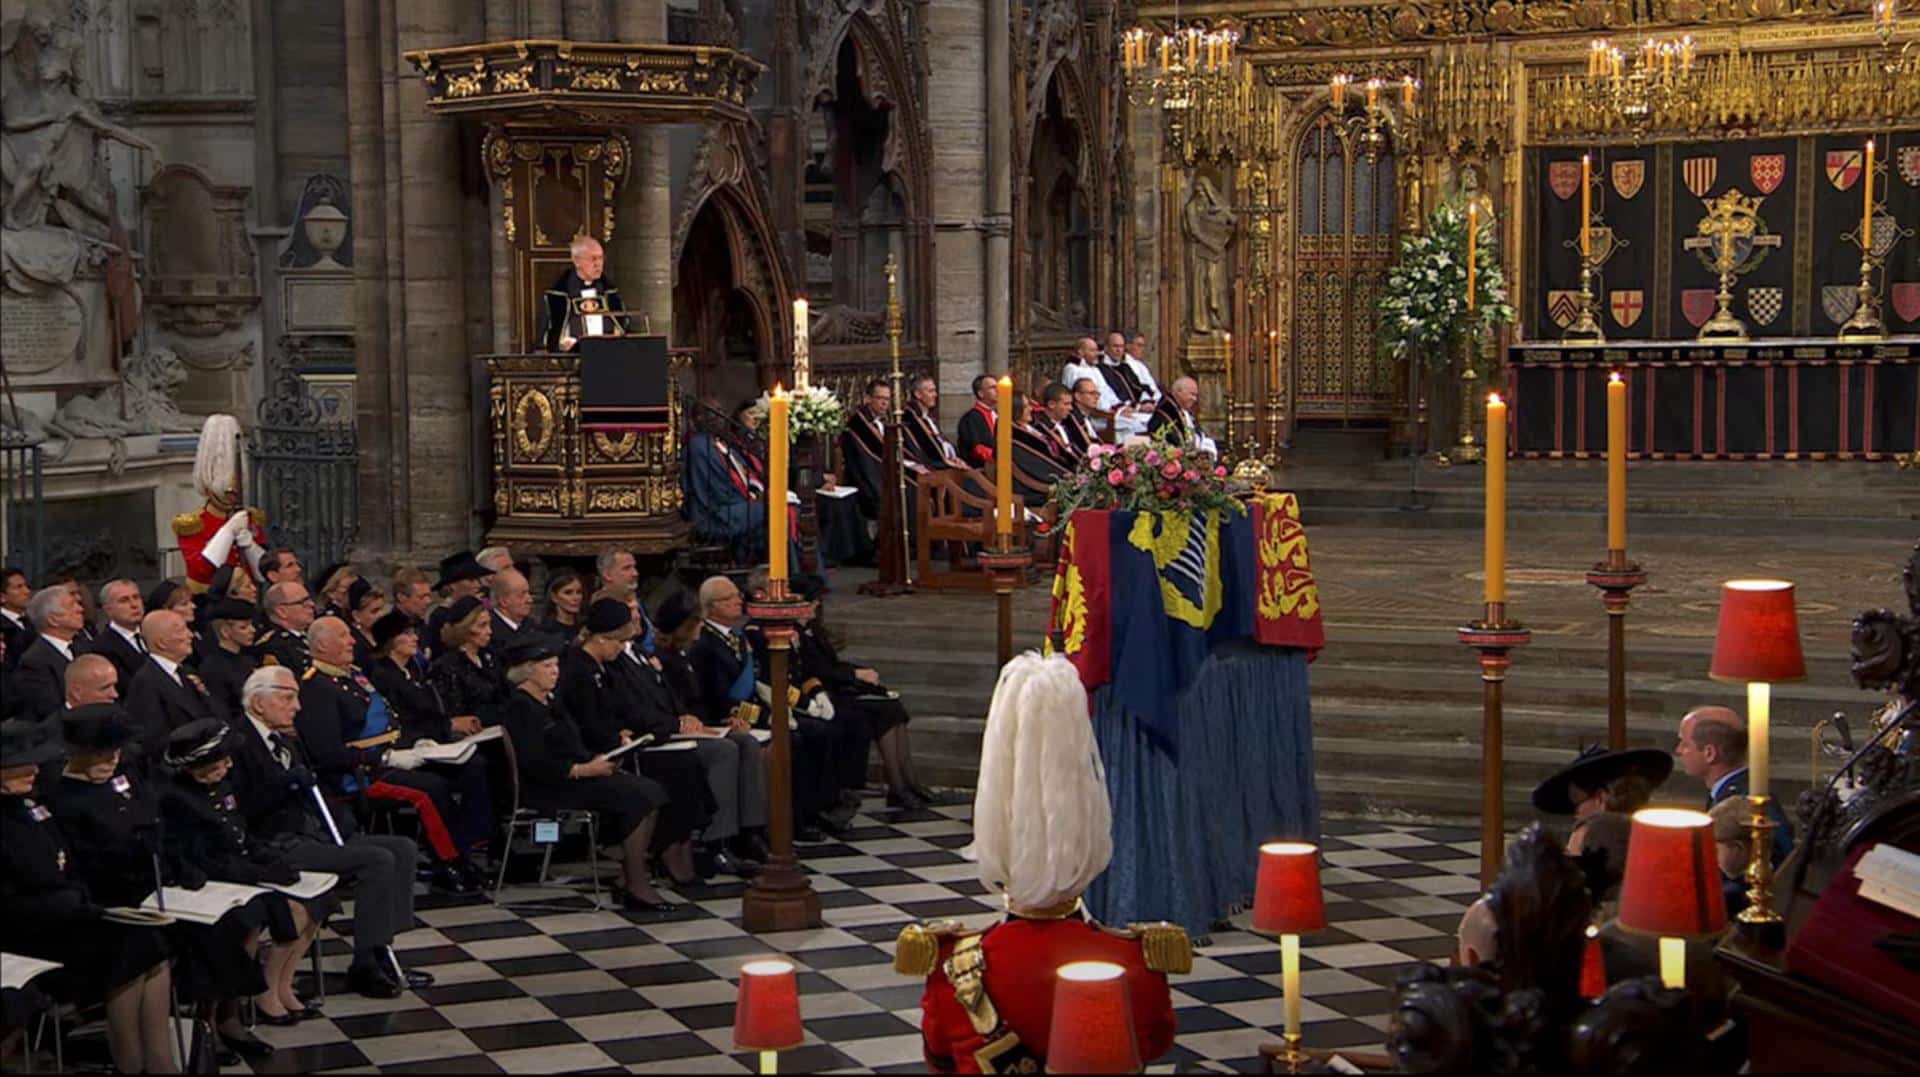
1377, 127
1635, 83
1177, 68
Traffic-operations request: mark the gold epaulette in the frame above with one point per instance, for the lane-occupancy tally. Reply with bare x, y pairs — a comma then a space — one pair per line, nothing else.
917, 949
308, 675
186, 523
1164, 947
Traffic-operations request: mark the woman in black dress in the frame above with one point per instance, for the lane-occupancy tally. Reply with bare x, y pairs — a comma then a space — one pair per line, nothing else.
566, 597
557, 770
47, 912
466, 674
205, 828
110, 821
365, 604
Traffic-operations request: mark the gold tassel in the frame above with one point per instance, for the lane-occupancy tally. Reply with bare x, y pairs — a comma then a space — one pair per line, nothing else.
914, 951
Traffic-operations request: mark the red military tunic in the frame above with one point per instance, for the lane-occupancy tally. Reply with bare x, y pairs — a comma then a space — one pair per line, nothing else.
194, 529
1021, 958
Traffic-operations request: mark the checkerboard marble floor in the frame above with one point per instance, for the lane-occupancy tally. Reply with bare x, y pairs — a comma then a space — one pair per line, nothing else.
566, 988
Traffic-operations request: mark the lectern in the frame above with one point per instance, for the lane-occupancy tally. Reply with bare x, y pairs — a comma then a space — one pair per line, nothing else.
623, 384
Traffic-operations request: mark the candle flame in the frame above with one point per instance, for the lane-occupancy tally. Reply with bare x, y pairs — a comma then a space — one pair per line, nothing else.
1493, 398
777, 391
1614, 376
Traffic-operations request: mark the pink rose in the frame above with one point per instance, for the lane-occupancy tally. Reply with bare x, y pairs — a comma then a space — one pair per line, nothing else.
1132, 471
1117, 477
1171, 470
1153, 458
1219, 472
1164, 490
1173, 454
1190, 475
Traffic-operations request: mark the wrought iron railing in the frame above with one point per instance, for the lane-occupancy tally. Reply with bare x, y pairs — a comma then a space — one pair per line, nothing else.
23, 503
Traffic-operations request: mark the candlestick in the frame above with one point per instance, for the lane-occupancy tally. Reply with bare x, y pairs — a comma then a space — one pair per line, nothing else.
1866, 213
1496, 507
1759, 708
1373, 93
802, 352
1407, 86
1473, 236
777, 486
1616, 462
1586, 207
1003, 460
1229, 341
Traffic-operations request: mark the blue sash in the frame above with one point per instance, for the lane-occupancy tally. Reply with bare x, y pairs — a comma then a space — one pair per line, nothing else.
742, 688
378, 719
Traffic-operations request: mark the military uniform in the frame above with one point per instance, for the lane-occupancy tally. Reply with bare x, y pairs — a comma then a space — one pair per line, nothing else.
988, 1005
193, 529
278, 646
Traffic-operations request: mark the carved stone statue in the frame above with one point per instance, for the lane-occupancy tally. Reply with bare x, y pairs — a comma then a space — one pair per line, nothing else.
50, 174
141, 404
1208, 223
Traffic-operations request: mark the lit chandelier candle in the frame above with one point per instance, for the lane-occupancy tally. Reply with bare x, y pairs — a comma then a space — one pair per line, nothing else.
1373, 94
802, 350
1337, 89
1407, 87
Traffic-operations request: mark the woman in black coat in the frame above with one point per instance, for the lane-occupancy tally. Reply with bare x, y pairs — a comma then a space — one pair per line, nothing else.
466, 674
558, 771
47, 912
422, 711
205, 828
566, 605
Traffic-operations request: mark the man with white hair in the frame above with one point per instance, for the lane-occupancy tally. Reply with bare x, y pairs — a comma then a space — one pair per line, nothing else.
1042, 831
512, 607
223, 532
582, 302
56, 618
1174, 415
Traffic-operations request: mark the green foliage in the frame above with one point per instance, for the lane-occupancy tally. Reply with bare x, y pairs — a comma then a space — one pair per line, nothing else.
1423, 308
1146, 476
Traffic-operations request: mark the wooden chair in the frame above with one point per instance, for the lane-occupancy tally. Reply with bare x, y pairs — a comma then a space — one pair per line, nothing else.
940, 509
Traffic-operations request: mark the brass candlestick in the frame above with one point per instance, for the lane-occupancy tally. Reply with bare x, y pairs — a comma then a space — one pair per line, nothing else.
1586, 328
1759, 910
1005, 564
780, 897
1616, 577
1466, 450
1865, 324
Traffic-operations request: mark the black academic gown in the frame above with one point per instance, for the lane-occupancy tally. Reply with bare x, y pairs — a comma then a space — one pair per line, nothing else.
1034, 457
976, 434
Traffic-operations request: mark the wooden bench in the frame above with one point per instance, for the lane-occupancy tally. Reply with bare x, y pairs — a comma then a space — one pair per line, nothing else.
940, 516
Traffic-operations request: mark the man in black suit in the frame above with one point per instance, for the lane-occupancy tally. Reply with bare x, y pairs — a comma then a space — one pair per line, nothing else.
162, 695
119, 638
14, 594
273, 780
1712, 747
1086, 406
1173, 420
512, 608
929, 446
1035, 455
39, 681
582, 302
1055, 420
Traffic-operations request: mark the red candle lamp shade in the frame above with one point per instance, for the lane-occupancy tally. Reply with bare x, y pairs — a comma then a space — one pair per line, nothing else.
1672, 884
1758, 638
1286, 896
1092, 1029
766, 1016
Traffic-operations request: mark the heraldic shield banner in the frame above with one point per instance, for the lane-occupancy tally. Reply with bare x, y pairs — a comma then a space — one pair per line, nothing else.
1649, 200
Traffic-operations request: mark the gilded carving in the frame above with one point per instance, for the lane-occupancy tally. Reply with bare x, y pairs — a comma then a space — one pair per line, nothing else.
518, 80
612, 451
533, 425
594, 79
544, 499
617, 499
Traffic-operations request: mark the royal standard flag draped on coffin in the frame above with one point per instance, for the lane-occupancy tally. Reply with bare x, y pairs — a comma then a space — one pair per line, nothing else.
1141, 599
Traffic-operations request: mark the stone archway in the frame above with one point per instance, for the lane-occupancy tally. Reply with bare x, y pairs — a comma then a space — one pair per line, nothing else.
724, 306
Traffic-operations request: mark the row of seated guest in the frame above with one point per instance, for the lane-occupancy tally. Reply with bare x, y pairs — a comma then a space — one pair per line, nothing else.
724, 476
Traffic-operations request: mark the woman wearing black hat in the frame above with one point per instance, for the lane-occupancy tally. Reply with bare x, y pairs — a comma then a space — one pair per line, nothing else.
205, 827
422, 713
47, 912
466, 674
461, 576
110, 821
225, 655
558, 771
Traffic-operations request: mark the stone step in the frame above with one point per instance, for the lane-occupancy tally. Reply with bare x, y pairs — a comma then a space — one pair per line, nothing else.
1466, 515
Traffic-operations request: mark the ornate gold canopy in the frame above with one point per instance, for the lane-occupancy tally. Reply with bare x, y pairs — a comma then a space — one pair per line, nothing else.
597, 84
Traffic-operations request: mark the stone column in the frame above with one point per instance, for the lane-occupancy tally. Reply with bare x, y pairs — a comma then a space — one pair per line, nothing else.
439, 419
545, 18
641, 260
379, 390
957, 118
998, 221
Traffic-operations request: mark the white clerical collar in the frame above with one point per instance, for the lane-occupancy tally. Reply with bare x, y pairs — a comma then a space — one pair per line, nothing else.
167, 666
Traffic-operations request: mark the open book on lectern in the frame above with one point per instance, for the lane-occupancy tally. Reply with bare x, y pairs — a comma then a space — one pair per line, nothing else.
623, 384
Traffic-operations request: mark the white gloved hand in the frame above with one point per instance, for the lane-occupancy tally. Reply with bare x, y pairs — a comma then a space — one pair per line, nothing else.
765, 693
242, 524
821, 707
425, 742
404, 758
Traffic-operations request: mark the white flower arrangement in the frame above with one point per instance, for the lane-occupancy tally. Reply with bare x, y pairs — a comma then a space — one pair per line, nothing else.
1423, 307
813, 411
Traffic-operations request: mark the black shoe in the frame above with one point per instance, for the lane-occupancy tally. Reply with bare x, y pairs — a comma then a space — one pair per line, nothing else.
223, 1056
725, 863
308, 1010
372, 981
840, 815
630, 902
285, 1020
906, 800
248, 1045
472, 876
752, 847
419, 981
830, 825
449, 876
808, 834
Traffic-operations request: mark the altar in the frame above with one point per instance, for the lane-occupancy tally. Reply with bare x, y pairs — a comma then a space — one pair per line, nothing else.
1780, 399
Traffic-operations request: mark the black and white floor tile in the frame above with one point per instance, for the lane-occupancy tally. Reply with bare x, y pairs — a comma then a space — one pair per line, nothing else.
565, 988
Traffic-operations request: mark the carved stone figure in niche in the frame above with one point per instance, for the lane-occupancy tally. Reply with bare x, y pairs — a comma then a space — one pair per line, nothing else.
50, 174
141, 404
1208, 224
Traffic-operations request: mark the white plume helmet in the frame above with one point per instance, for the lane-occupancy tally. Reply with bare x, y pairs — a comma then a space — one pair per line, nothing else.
1042, 827
217, 461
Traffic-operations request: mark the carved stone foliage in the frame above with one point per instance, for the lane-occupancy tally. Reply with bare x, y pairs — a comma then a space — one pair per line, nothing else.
200, 273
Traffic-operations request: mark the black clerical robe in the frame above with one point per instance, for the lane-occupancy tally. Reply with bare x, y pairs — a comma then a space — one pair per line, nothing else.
566, 306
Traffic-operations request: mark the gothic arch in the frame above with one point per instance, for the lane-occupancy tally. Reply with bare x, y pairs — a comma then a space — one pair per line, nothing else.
730, 190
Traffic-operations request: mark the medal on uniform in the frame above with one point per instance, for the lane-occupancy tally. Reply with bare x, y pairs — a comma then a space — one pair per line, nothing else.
121, 785
38, 812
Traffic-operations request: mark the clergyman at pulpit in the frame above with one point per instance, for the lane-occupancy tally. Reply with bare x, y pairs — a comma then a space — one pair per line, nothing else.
582, 301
